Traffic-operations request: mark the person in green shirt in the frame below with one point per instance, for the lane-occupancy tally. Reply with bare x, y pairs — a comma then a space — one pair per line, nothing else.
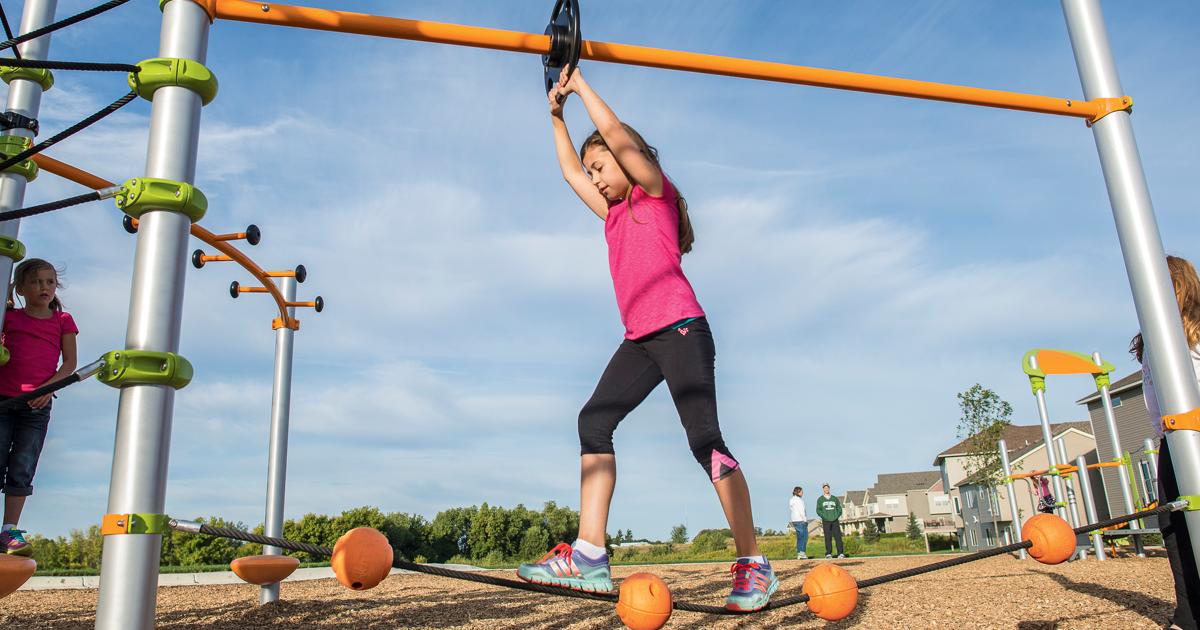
830, 510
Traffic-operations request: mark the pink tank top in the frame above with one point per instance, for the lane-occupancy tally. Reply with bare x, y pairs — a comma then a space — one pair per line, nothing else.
643, 256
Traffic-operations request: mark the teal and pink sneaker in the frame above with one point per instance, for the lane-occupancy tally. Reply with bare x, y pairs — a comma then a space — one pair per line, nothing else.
14, 543
753, 585
562, 566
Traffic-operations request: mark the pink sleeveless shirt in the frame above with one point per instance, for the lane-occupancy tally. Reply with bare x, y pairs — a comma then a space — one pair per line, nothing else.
643, 257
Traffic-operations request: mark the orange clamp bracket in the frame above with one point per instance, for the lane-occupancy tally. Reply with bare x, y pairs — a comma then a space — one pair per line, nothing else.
117, 524
1106, 106
292, 323
1186, 421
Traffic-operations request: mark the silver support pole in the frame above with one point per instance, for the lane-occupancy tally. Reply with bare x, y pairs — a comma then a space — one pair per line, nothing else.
1089, 506
1012, 496
1141, 246
25, 98
281, 404
1073, 508
1118, 451
1048, 442
129, 571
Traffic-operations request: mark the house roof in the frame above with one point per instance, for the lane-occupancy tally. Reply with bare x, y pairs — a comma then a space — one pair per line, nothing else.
856, 496
1128, 382
1020, 439
899, 483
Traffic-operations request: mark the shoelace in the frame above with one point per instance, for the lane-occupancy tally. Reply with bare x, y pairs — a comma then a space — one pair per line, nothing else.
562, 552
742, 574
17, 535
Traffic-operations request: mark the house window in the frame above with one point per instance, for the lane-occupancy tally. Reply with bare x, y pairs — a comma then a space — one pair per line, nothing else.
891, 504
970, 498
957, 506
971, 537
941, 500
1116, 401
1147, 481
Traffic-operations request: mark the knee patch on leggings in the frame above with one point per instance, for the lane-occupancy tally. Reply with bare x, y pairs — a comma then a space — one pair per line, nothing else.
716, 460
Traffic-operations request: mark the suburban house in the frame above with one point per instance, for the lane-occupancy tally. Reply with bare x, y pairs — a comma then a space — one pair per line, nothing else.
894, 495
984, 516
854, 509
1134, 427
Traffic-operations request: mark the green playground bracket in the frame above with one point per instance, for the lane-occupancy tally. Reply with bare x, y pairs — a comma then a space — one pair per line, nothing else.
12, 145
12, 248
1193, 502
4, 355
41, 76
123, 368
135, 523
169, 71
143, 194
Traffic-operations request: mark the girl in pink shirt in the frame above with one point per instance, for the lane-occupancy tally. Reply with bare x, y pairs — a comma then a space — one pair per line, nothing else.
35, 336
667, 338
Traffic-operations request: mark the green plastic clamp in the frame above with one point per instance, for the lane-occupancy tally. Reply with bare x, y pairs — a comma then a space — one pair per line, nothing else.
143, 194
1193, 502
123, 368
12, 248
4, 355
137, 523
166, 71
41, 76
1102, 380
12, 145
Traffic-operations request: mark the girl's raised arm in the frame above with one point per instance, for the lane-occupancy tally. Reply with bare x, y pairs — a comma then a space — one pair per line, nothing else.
636, 164
572, 169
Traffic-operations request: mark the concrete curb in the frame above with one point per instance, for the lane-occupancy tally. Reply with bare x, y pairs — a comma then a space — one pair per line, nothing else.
200, 579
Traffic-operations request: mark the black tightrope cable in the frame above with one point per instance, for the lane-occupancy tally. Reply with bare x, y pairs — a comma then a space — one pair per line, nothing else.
79, 17
68, 132
70, 65
21, 213
8, 29
283, 543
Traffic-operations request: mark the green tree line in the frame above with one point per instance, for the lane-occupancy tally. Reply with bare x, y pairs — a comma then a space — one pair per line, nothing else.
478, 534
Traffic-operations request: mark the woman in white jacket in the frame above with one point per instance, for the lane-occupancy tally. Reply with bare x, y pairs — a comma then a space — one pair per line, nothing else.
799, 520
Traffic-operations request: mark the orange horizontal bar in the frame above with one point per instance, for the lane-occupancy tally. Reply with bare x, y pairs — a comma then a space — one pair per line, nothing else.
312, 304
281, 274
236, 236
207, 258
82, 177
242, 289
514, 41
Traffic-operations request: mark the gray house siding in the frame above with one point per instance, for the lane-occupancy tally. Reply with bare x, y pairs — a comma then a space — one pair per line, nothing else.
1134, 426
978, 509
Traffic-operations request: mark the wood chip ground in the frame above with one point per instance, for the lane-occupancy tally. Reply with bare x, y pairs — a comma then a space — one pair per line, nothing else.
995, 593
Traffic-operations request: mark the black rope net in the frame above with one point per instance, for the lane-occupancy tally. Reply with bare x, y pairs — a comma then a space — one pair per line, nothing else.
68, 132
21, 213
12, 42
400, 563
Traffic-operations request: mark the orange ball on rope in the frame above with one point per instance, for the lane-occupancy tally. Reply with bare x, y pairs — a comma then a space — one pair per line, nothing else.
644, 602
1053, 539
362, 558
832, 591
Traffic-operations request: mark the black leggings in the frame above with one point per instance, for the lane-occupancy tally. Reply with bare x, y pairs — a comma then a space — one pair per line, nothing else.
685, 358
1179, 546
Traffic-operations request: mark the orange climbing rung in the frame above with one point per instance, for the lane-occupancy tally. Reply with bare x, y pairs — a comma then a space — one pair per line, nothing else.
264, 570
14, 571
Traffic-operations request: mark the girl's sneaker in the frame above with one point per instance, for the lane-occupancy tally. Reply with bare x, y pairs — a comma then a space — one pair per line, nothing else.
14, 543
753, 585
561, 566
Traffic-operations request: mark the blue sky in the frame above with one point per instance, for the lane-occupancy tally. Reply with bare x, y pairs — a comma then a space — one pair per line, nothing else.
861, 258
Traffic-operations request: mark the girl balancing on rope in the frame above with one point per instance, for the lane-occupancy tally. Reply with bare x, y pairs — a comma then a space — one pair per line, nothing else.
36, 336
1174, 528
666, 338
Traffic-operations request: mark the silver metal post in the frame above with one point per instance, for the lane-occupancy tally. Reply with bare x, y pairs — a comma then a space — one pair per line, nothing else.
281, 403
129, 571
1048, 442
1141, 246
1016, 522
25, 98
1118, 451
1089, 506
1073, 512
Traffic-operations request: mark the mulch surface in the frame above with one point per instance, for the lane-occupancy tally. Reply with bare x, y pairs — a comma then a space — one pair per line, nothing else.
998, 592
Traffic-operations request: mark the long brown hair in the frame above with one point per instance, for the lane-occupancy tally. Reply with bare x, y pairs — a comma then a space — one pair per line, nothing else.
26, 270
1187, 293
686, 236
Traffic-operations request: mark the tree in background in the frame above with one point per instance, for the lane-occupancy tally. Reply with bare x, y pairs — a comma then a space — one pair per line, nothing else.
870, 531
913, 531
679, 534
985, 416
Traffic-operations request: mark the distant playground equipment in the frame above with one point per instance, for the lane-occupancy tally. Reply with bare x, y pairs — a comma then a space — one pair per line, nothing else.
1037, 365
179, 85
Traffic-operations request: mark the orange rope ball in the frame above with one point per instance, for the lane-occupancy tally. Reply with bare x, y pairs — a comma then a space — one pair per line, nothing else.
361, 558
644, 602
1053, 539
832, 592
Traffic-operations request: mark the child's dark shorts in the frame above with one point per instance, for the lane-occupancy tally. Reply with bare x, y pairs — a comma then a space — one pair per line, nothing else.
22, 433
